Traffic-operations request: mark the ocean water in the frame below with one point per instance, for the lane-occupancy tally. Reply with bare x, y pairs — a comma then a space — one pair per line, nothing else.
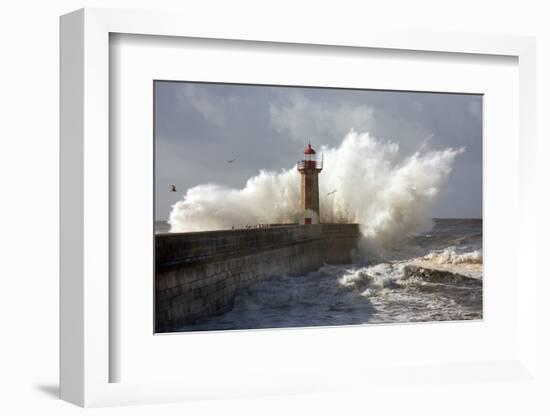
434, 276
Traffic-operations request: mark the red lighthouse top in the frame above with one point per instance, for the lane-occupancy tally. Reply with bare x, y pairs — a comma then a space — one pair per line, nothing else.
309, 150
309, 163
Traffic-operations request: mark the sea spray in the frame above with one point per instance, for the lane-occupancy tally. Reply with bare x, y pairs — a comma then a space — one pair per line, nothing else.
364, 180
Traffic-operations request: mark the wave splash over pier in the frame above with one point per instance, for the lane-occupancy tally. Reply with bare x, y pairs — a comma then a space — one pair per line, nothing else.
388, 193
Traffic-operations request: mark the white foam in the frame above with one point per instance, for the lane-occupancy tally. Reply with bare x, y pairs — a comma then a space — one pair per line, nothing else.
450, 256
468, 264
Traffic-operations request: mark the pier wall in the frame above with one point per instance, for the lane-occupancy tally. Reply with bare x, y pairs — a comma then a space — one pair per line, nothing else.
199, 274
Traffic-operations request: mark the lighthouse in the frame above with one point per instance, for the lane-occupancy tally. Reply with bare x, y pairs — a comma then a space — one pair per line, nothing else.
309, 170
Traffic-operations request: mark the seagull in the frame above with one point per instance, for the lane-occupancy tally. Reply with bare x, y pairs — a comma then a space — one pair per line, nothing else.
332, 192
231, 161
173, 188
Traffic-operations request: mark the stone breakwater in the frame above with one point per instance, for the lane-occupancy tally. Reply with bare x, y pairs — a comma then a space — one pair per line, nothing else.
198, 274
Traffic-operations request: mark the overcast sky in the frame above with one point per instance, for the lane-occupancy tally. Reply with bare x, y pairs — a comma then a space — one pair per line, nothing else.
200, 127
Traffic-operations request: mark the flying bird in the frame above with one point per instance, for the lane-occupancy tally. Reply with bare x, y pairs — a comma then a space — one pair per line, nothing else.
173, 188
332, 192
231, 161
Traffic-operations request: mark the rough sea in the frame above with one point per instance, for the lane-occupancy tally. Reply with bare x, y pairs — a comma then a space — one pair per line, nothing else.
435, 276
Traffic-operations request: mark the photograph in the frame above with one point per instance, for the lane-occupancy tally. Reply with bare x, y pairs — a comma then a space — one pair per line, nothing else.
295, 206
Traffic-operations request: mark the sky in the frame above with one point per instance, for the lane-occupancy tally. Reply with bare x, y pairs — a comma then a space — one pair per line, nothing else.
199, 127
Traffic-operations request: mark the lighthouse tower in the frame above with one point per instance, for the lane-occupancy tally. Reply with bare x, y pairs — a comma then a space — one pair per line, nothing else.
309, 169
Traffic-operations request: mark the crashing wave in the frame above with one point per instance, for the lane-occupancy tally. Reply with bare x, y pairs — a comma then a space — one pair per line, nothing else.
388, 193
450, 256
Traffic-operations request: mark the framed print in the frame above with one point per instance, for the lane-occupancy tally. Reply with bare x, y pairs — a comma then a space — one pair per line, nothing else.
276, 205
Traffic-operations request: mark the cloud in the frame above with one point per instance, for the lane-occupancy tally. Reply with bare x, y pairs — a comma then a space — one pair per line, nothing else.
213, 111
303, 118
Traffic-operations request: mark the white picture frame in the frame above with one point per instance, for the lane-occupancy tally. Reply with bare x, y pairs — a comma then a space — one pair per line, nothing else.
86, 356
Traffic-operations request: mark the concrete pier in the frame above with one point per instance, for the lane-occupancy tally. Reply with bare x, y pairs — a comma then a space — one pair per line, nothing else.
199, 274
